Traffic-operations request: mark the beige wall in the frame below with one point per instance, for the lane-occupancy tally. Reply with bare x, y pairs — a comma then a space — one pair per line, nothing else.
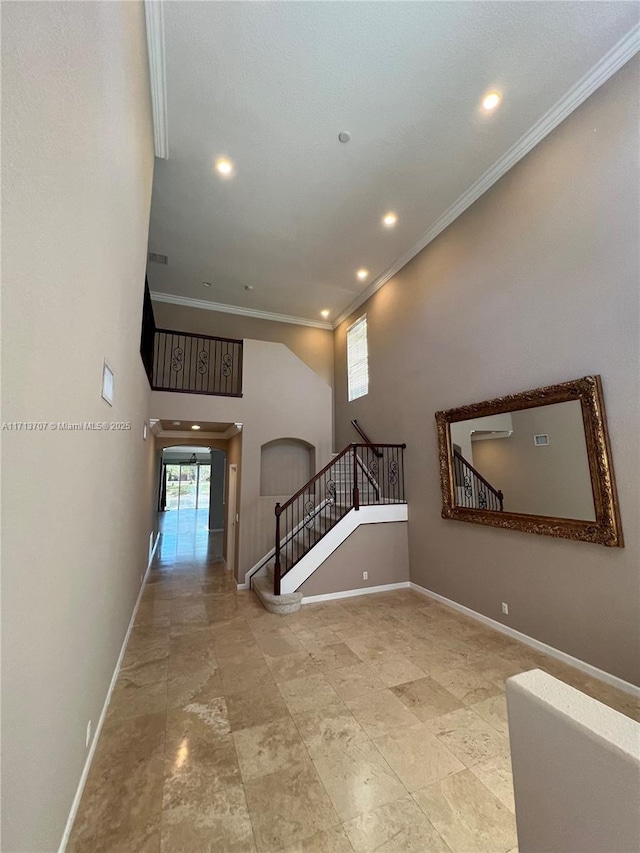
313, 346
536, 283
285, 466
77, 164
281, 398
551, 479
461, 432
379, 549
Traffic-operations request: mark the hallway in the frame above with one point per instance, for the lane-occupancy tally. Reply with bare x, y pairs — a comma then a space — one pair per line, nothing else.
370, 723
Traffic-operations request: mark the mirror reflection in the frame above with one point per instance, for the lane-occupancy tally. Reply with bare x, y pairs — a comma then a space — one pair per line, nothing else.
531, 461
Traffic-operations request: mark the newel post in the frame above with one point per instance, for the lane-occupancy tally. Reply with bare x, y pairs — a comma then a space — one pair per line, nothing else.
356, 493
276, 567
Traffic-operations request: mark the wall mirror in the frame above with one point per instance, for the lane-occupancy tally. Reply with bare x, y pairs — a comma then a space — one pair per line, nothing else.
537, 462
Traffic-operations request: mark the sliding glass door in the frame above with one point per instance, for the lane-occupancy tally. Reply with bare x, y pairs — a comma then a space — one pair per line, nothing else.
187, 486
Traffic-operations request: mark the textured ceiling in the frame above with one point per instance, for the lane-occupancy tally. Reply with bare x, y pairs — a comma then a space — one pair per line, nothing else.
270, 85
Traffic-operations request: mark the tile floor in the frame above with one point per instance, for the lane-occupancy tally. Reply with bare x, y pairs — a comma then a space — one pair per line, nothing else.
370, 723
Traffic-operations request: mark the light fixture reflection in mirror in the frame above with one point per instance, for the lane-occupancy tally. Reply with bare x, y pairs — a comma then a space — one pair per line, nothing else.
537, 461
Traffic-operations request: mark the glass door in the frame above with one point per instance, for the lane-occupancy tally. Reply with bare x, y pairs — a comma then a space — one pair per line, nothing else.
204, 487
172, 480
187, 486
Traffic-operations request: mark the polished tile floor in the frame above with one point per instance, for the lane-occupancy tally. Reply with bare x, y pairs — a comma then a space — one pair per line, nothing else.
370, 723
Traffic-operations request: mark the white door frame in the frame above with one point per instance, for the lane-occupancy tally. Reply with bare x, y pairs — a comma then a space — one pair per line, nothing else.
232, 486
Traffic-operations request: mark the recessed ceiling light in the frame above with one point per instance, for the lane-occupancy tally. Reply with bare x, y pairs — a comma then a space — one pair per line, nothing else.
177, 423
491, 101
248, 287
224, 167
206, 284
389, 219
196, 426
324, 313
362, 274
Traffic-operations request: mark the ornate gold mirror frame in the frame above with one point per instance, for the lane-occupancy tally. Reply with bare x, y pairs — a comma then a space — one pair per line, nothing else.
607, 528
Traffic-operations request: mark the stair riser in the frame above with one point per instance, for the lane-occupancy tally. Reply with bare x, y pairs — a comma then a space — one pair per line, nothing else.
279, 604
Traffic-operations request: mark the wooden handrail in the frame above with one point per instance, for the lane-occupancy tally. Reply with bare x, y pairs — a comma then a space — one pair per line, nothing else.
491, 488
377, 444
280, 508
362, 434
326, 468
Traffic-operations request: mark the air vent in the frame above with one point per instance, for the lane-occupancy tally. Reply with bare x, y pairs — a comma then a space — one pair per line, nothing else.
157, 259
540, 440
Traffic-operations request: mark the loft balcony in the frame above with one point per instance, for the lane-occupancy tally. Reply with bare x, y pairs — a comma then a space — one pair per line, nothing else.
196, 364
187, 363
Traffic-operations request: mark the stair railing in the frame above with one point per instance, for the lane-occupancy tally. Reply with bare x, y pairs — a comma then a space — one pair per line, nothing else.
363, 435
472, 489
196, 364
360, 475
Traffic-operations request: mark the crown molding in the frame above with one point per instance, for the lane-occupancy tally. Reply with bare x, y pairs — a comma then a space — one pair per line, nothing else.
236, 309
154, 17
611, 62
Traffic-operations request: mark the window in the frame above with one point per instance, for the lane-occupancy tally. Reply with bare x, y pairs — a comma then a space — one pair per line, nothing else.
358, 359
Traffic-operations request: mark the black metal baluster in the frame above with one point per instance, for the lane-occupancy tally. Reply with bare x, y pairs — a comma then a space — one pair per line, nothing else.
396, 486
184, 364
198, 376
172, 372
164, 361
165, 372
211, 378
156, 347
216, 367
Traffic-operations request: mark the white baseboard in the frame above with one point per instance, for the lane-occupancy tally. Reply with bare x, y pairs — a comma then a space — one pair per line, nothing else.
350, 593
583, 666
151, 556
243, 586
96, 735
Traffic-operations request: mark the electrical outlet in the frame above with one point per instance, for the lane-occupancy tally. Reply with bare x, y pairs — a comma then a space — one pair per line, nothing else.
88, 738
505, 608
365, 576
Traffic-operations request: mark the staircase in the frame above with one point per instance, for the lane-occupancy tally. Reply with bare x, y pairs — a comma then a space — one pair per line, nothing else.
472, 490
361, 475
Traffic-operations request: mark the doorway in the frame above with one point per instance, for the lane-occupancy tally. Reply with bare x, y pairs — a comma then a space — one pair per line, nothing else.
232, 518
